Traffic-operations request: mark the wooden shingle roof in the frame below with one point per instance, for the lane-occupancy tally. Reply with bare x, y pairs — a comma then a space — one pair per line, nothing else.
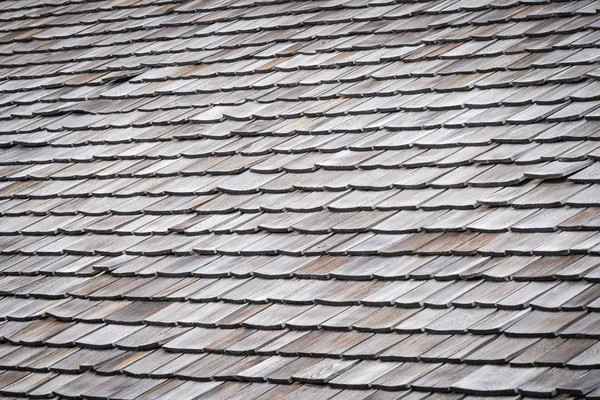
310, 199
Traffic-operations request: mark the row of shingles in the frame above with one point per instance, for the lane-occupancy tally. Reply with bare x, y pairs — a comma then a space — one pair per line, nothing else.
254, 10
393, 151
89, 12
261, 243
383, 122
15, 383
228, 62
450, 268
375, 11
401, 11
244, 112
127, 90
466, 162
397, 120
277, 198
138, 223
334, 244
258, 10
338, 294
222, 17
552, 170
386, 139
188, 390
530, 195
198, 367
482, 177
122, 387
520, 352
442, 268
566, 354
52, 266
272, 369
242, 128
353, 151
274, 187
333, 141
97, 81
31, 7
370, 134
547, 171
352, 345
339, 313
160, 196
380, 204
62, 356
532, 285
149, 325
329, 116
221, 11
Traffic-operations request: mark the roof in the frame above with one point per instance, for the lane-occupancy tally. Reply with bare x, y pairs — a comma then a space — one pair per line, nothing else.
329, 199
